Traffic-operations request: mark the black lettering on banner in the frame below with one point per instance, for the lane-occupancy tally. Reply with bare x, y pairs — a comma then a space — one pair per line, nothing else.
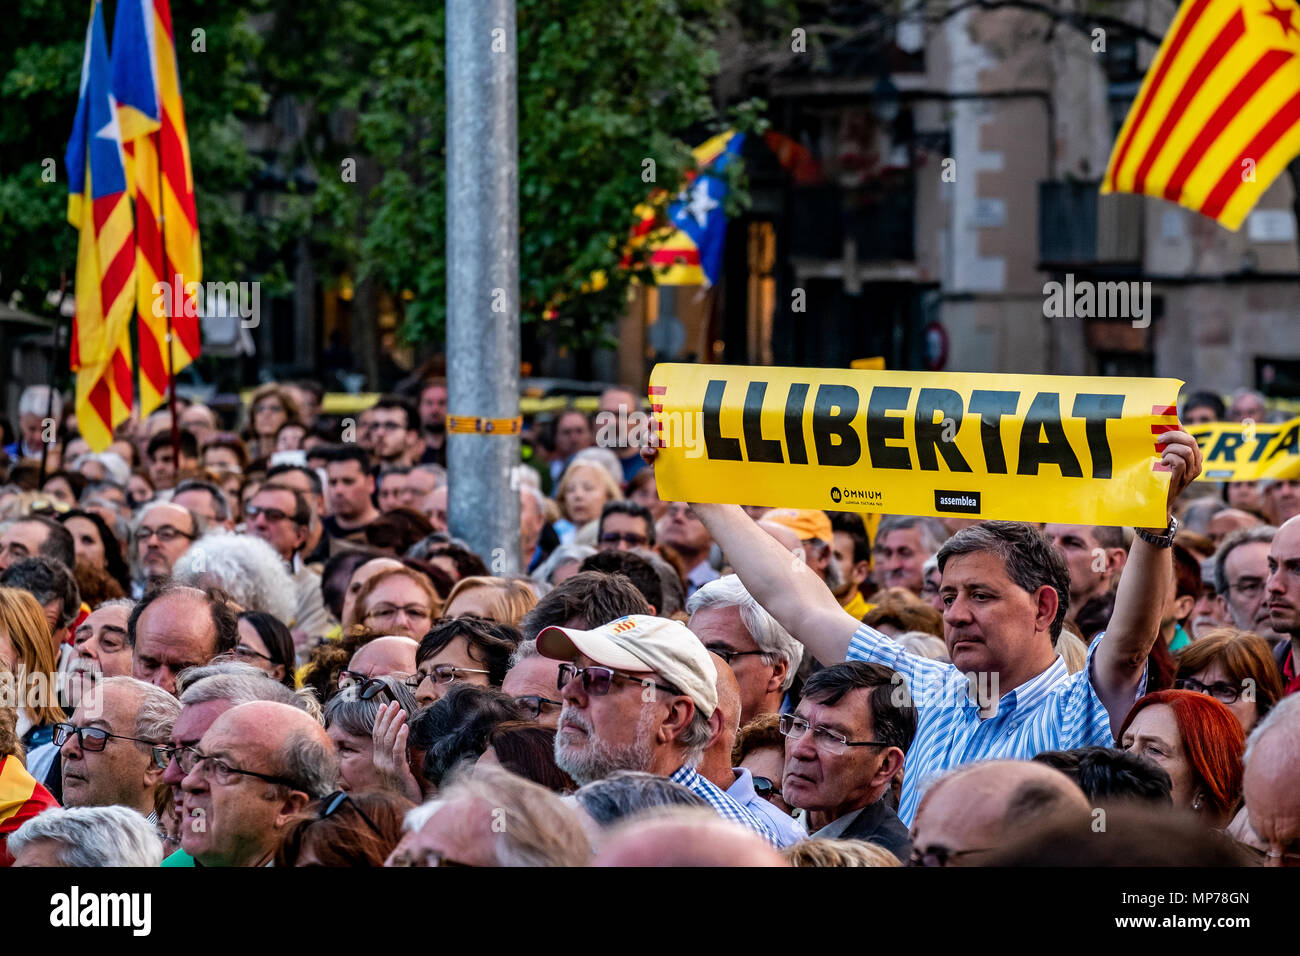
715, 445
758, 448
881, 427
1044, 417
991, 407
1288, 443
833, 411
930, 434
1096, 409
794, 403
1225, 449
1262, 439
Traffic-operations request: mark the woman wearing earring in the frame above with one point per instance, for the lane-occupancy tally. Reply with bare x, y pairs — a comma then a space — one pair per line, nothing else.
1198, 742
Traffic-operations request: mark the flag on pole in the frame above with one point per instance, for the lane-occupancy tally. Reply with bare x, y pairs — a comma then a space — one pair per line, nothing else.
1218, 116
689, 251
100, 209
147, 87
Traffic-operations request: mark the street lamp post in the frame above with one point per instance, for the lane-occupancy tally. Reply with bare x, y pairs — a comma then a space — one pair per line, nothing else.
483, 278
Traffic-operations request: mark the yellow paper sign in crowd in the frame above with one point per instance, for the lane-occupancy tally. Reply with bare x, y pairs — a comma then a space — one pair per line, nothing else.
1016, 447
1248, 451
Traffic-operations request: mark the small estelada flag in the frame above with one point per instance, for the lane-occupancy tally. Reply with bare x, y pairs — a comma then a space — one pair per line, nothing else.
1218, 117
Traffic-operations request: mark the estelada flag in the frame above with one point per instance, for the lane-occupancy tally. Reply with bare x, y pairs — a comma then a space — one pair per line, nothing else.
98, 206
1218, 116
147, 87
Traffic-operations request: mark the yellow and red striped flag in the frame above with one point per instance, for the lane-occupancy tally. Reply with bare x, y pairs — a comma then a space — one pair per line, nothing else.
147, 87
100, 209
1218, 116
21, 798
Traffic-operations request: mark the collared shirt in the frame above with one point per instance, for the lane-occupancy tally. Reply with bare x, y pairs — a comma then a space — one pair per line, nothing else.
1055, 710
726, 807
876, 823
787, 829
699, 576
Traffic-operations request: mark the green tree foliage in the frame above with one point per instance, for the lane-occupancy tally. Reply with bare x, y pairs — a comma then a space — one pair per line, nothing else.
286, 92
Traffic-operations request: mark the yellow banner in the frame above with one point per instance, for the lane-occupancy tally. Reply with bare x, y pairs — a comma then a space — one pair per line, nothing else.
1248, 451
1016, 447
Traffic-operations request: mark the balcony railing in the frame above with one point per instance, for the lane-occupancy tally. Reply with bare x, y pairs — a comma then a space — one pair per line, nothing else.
1079, 226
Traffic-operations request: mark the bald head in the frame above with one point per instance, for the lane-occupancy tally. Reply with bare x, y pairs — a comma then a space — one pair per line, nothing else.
385, 655
270, 725
1272, 781
982, 806
693, 837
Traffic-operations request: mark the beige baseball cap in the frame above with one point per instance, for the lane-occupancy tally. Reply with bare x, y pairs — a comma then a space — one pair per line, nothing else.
639, 643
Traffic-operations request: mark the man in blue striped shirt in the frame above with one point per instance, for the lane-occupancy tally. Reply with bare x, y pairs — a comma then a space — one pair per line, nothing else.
1005, 592
639, 693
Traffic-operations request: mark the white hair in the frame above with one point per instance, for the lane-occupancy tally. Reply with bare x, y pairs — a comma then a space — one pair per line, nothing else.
771, 637
232, 681
562, 555
524, 650
245, 567
524, 476
35, 400
439, 473
1284, 717
601, 458
923, 645
156, 711
93, 836
115, 467
417, 817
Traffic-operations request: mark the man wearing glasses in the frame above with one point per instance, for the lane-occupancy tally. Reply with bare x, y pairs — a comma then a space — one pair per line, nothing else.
393, 654
162, 533
844, 745
638, 694
281, 516
256, 767
107, 748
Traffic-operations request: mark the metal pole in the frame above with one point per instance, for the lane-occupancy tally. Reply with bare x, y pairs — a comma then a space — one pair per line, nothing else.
483, 274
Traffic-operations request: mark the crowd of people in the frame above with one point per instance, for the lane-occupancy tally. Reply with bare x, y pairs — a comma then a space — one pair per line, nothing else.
265, 646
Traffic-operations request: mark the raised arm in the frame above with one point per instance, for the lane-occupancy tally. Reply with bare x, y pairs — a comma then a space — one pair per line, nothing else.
789, 591
1135, 623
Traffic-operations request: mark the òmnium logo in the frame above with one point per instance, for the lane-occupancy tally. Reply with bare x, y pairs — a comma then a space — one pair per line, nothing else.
856, 496
957, 502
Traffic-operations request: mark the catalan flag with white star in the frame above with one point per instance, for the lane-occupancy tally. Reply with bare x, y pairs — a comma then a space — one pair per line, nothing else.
99, 207
1217, 119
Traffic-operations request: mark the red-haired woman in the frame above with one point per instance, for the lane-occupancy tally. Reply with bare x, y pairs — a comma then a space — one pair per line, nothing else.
1198, 742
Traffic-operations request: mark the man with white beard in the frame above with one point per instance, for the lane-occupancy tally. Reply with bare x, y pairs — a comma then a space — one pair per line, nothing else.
638, 694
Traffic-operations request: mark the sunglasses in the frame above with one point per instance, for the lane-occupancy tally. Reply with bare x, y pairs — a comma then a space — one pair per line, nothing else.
330, 805
765, 788
597, 681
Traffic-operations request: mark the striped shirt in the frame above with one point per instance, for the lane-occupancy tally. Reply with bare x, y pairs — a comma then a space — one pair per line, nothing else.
726, 807
1056, 710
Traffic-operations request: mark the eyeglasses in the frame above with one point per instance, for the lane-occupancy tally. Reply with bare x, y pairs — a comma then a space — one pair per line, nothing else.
375, 686
685, 511
765, 788
330, 805
939, 855
191, 760
90, 739
827, 741
727, 654
534, 704
1220, 690
272, 515
261, 407
166, 534
162, 755
613, 537
385, 612
244, 652
597, 681
446, 673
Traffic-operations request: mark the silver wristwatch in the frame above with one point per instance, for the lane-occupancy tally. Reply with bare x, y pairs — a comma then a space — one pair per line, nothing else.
1165, 540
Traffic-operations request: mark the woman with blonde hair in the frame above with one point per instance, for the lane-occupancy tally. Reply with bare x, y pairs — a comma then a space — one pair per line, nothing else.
838, 853
584, 490
27, 651
503, 600
270, 408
